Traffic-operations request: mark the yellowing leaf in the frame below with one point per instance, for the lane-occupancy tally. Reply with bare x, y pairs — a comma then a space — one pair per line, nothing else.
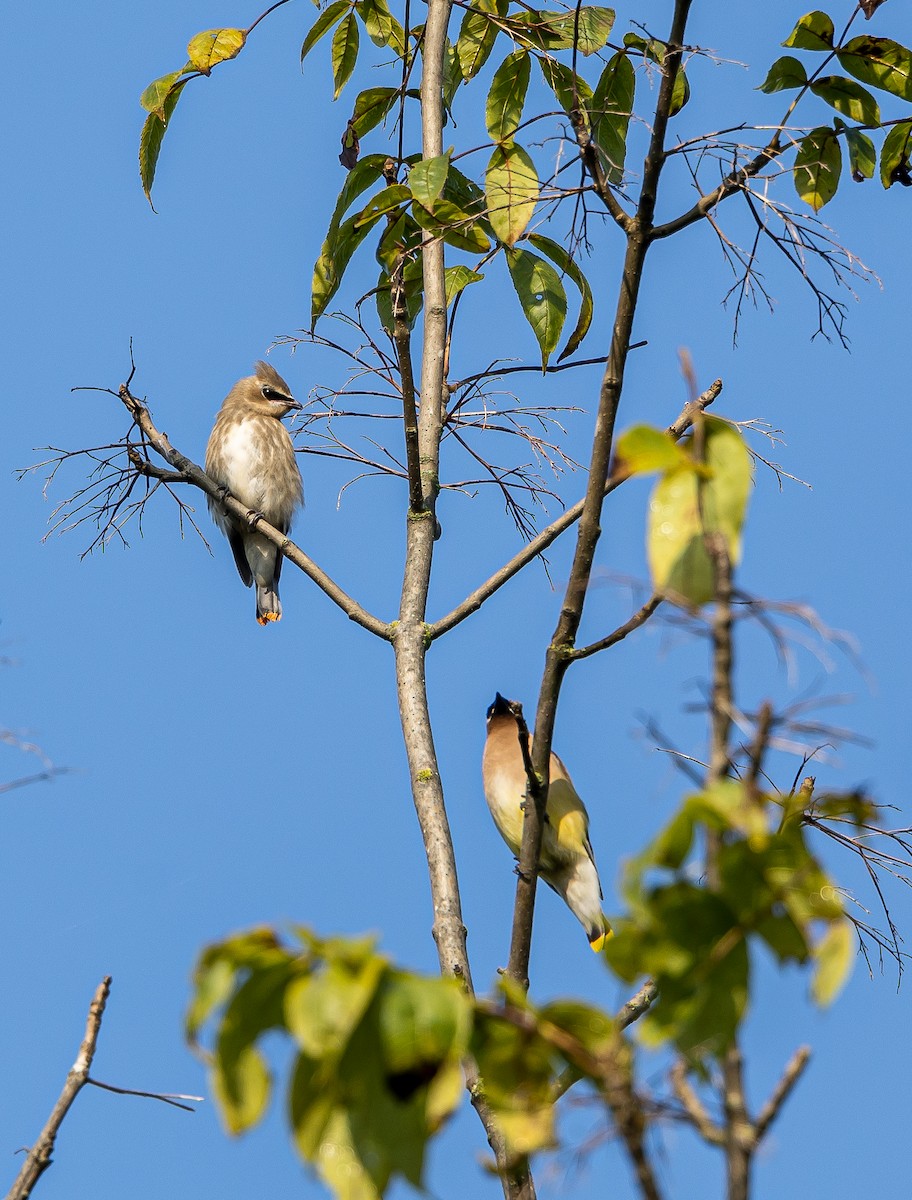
833, 957
213, 46
512, 189
241, 1088
427, 178
643, 448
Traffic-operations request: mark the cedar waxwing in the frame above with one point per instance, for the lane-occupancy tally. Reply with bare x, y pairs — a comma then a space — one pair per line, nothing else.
566, 863
251, 455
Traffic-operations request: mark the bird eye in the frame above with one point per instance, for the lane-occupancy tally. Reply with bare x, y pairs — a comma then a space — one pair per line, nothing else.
268, 393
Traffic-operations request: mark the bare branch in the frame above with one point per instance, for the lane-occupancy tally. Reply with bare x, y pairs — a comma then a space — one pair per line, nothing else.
781, 1093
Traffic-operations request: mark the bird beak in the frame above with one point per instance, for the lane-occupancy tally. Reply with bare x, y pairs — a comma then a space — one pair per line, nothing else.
292, 404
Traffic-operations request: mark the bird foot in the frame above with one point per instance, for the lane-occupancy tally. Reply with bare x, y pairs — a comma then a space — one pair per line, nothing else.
223, 492
254, 518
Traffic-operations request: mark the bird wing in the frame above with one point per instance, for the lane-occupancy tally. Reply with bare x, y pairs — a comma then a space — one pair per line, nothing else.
236, 542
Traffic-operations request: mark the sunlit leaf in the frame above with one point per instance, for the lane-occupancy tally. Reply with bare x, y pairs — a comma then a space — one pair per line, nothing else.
680, 93
512, 188
215, 46
384, 202
562, 258
879, 62
862, 155
507, 95
344, 52
150, 139
154, 96
335, 255
371, 107
330, 16
785, 73
382, 27
818, 164
833, 958
241, 1087
457, 279
813, 32
454, 226
427, 179
542, 296
612, 105
572, 91
477, 35
848, 97
895, 155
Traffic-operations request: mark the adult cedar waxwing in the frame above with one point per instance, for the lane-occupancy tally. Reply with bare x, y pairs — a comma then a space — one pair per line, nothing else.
566, 863
251, 455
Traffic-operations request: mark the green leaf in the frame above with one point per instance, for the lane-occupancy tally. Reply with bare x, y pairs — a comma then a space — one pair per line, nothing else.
643, 448
507, 95
560, 255
344, 52
428, 177
848, 97
594, 29
813, 32
150, 140
213, 46
363, 175
324, 22
612, 105
680, 93
414, 296
512, 189
457, 278
571, 91
879, 62
833, 958
542, 297
322, 1010
477, 35
817, 167
401, 237
335, 255
676, 548
382, 27
154, 97
241, 1088
862, 155
519, 1071
895, 155
384, 202
785, 73
371, 107
453, 225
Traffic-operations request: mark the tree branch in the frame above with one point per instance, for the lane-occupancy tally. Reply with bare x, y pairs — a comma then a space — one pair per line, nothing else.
783, 1090
39, 1157
191, 473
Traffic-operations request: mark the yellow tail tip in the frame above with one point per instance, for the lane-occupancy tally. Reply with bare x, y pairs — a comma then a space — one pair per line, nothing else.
598, 942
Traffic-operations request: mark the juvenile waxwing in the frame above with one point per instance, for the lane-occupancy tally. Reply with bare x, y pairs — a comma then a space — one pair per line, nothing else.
250, 453
566, 863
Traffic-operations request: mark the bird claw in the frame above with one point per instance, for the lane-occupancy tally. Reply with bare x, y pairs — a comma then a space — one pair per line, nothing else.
254, 518
223, 492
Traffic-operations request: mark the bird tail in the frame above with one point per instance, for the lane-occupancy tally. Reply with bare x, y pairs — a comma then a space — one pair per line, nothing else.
600, 935
268, 604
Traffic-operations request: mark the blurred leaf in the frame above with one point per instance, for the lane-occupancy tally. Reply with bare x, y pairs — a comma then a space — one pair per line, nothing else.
457, 279
323, 1009
895, 155
643, 448
785, 73
813, 32
241, 1086
512, 189
427, 179
150, 139
213, 46
542, 297
344, 52
612, 105
879, 62
833, 957
561, 257
324, 22
518, 1067
818, 164
848, 97
507, 95
382, 27
371, 107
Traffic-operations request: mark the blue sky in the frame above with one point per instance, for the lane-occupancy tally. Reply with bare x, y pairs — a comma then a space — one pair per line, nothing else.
221, 776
